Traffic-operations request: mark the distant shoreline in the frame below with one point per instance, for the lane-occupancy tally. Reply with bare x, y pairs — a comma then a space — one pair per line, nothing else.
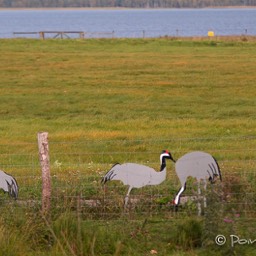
121, 8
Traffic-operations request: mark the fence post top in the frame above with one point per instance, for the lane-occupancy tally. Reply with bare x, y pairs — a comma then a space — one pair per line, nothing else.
42, 133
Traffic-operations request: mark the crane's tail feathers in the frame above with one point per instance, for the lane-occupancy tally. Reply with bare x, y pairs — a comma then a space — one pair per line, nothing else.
214, 171
9, 184
12, 188
219, 172
109, 175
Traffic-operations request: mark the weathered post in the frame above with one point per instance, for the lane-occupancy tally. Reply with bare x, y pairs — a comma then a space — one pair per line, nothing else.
45, 166
41, 34
81, 34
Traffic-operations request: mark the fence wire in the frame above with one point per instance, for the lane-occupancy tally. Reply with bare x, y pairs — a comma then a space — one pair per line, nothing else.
78, 167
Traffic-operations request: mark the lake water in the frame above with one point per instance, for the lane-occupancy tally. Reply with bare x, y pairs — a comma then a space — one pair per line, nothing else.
131, 23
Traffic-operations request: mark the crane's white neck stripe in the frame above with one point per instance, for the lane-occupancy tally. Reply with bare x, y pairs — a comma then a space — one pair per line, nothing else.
162, 156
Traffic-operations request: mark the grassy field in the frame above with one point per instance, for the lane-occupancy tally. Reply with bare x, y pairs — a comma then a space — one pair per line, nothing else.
124, 100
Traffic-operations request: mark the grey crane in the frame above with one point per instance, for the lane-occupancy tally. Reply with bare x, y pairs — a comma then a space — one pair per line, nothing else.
9, 184
199, 165
137, 175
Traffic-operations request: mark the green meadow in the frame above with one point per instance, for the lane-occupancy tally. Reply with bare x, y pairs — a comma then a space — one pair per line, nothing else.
104, 101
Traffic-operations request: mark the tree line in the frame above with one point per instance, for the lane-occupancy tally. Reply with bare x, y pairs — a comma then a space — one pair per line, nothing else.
124, 3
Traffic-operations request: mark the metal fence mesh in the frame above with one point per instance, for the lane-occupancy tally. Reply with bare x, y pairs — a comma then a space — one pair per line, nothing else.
76, 176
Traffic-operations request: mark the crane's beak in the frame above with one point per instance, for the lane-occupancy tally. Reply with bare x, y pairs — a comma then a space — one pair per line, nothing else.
172, 158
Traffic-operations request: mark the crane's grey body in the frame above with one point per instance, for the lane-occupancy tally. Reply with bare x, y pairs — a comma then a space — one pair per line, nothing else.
8, 184
137, 175
199, 165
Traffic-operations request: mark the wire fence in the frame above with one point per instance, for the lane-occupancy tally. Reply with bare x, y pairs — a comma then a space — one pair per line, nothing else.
126, 33
78, 167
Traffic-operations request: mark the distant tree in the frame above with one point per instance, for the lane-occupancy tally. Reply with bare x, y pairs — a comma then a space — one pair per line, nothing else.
126, 3
7, 3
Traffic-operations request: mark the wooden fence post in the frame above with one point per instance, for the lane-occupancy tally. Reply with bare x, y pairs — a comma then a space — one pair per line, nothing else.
41, 34
45, 166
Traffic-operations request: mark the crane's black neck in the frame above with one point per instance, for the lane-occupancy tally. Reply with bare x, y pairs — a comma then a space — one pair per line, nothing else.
163, 164
163, 161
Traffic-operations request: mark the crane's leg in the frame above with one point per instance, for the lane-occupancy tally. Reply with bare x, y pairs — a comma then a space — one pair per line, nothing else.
205, 187
177, 197
126, 199
198, 199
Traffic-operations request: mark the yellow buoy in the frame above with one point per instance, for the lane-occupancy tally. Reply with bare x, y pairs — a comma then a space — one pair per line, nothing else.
210, 33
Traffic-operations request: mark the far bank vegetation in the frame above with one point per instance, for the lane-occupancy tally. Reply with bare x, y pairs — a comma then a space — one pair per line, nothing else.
124, 3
